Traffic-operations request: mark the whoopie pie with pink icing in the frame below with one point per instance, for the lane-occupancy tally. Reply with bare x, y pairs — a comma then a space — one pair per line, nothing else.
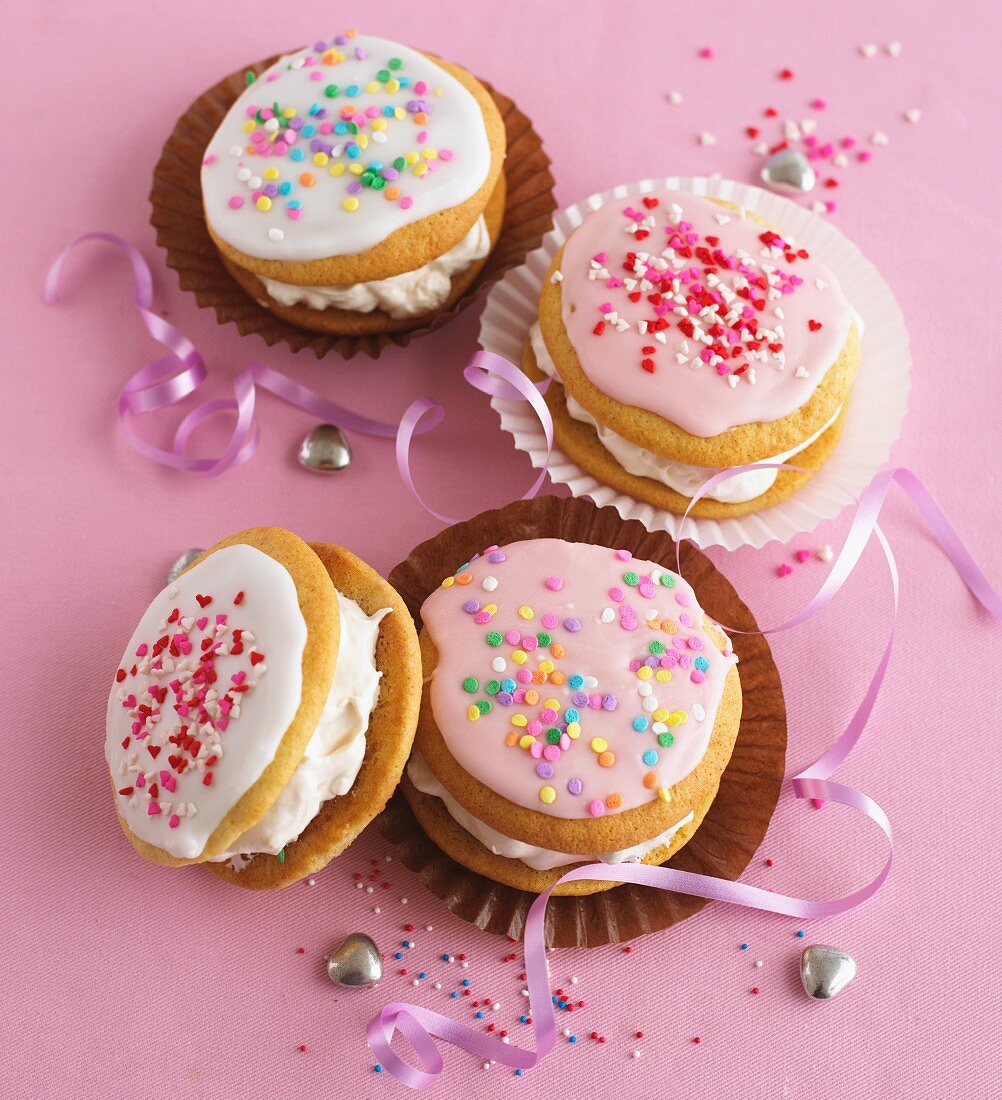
688, 336
578, 706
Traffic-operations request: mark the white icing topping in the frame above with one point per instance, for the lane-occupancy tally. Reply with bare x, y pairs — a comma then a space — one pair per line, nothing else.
405, 295
335, 752
246, 741
680, 476
449, 153
539, 859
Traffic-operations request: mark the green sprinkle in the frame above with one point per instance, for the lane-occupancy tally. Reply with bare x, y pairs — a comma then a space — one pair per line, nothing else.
657, 647
667, 580
494, 638
399, 163
331, 91
492, 687
281, 856
666, 739
395, 63
383, 75
353, 129
484, 706
553, 735
544, 639
470, 684
367, 178
378, 183
249, 78
631, 578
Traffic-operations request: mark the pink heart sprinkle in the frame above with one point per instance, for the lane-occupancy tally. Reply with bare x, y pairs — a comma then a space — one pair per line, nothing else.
238, 677
803, 555
173, 821
201, 623
153, 809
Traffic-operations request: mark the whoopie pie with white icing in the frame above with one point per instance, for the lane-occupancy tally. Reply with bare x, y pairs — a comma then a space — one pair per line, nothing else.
263, 709
356, 185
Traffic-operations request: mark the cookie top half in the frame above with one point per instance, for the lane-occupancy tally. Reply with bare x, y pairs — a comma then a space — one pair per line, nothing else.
571, 679
218, 692
339, 145
698, 312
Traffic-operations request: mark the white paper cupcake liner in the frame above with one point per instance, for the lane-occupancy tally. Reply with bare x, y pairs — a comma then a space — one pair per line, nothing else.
873, 419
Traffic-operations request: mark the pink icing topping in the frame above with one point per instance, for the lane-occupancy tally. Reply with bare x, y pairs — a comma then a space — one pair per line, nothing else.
680, 306
596, 714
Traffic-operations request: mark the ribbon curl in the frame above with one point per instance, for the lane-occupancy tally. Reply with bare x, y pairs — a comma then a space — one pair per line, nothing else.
421, 1026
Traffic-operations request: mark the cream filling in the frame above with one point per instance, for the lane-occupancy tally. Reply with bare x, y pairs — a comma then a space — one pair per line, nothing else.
334, 755
405, 295
679, 476
539, 859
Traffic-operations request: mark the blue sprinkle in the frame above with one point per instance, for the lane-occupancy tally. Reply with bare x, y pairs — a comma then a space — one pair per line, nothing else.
576, 681
572, 1039
296, 154
398, 954
800, 933
640, 724
378, 1068
466, 981
701, 663
744, 947
406, 943
480, 1015
309, 130
650, 758
422, 975
518, 1073
454, 994
340, 127
352, 89
571, 715
554, 1000
523, 1019
445, 958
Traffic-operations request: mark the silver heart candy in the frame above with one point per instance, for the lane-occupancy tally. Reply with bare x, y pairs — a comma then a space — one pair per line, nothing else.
826, 971
789, 170
325, 449
182, 564
356, 962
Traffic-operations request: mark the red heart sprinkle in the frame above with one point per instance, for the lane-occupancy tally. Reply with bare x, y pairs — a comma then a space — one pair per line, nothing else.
814, 325
153, 750
785, 74
650, 202
648, 365
770, 112
752, 131
238, 598
634, 295
120, 676
207, 779
203, 601
256, 658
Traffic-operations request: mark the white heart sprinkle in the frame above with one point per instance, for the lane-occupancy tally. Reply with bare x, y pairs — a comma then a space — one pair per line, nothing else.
706, 138
868, 50
913, 114
878, 137
893, 48
675, 98
697, 712
802, 372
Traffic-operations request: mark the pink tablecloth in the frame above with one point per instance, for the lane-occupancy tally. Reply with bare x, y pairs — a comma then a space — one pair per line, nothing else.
123, 979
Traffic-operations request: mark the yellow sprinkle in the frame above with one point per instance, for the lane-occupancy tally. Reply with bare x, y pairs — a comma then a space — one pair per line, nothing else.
350, 204
491, 608
526, 612
526, 741
663, 675
399, 113
420, 169
270, 173
263, 202
546, 666
355, 168
379, 124
519, 720
573, 730
677, 718
393, 86
519, 656
547, 795
337, 169
320, 159
553, 704
448, 582
249, 126
411, 157
472, 712
645, 672
438, 92
664, 794
430, 154
660, 715
289, 112
363, 141
599, 744
372, 87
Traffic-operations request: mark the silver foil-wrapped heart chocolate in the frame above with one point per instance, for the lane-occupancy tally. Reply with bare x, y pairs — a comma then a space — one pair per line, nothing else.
325, 449
826, 971
356, 962
182, 564
789, 170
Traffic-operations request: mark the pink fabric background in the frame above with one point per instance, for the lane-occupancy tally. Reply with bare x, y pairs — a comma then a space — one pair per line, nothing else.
125, 979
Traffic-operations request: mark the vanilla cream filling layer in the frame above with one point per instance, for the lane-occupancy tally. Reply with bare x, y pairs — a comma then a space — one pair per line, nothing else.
405, 295
336, 750
679, 476
539, 859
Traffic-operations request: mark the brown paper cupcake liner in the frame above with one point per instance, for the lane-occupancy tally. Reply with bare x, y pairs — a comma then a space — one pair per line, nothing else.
176, 198
737, 821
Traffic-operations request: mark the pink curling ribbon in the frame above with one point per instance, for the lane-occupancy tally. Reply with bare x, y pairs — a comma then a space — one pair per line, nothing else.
491, 374
421, 1026
180, 372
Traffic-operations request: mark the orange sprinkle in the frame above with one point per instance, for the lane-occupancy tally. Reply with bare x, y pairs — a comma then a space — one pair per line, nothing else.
607, 759
669, 626
654, 624
307, 179
539, 677
392, 193
512, 740
614, 801
532, 697
464, 578
558, 651
651, 780
557, 677
420, 118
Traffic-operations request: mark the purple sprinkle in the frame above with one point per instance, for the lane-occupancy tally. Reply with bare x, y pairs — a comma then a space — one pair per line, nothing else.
609, 702
471, 606
573, 625
271, 190
392, 174
354, 187
319, 47
574, 786
544, 770
505, 698
295, 124
315, 145
340, 40
653, 662
579, 699
496, 558
360, 53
